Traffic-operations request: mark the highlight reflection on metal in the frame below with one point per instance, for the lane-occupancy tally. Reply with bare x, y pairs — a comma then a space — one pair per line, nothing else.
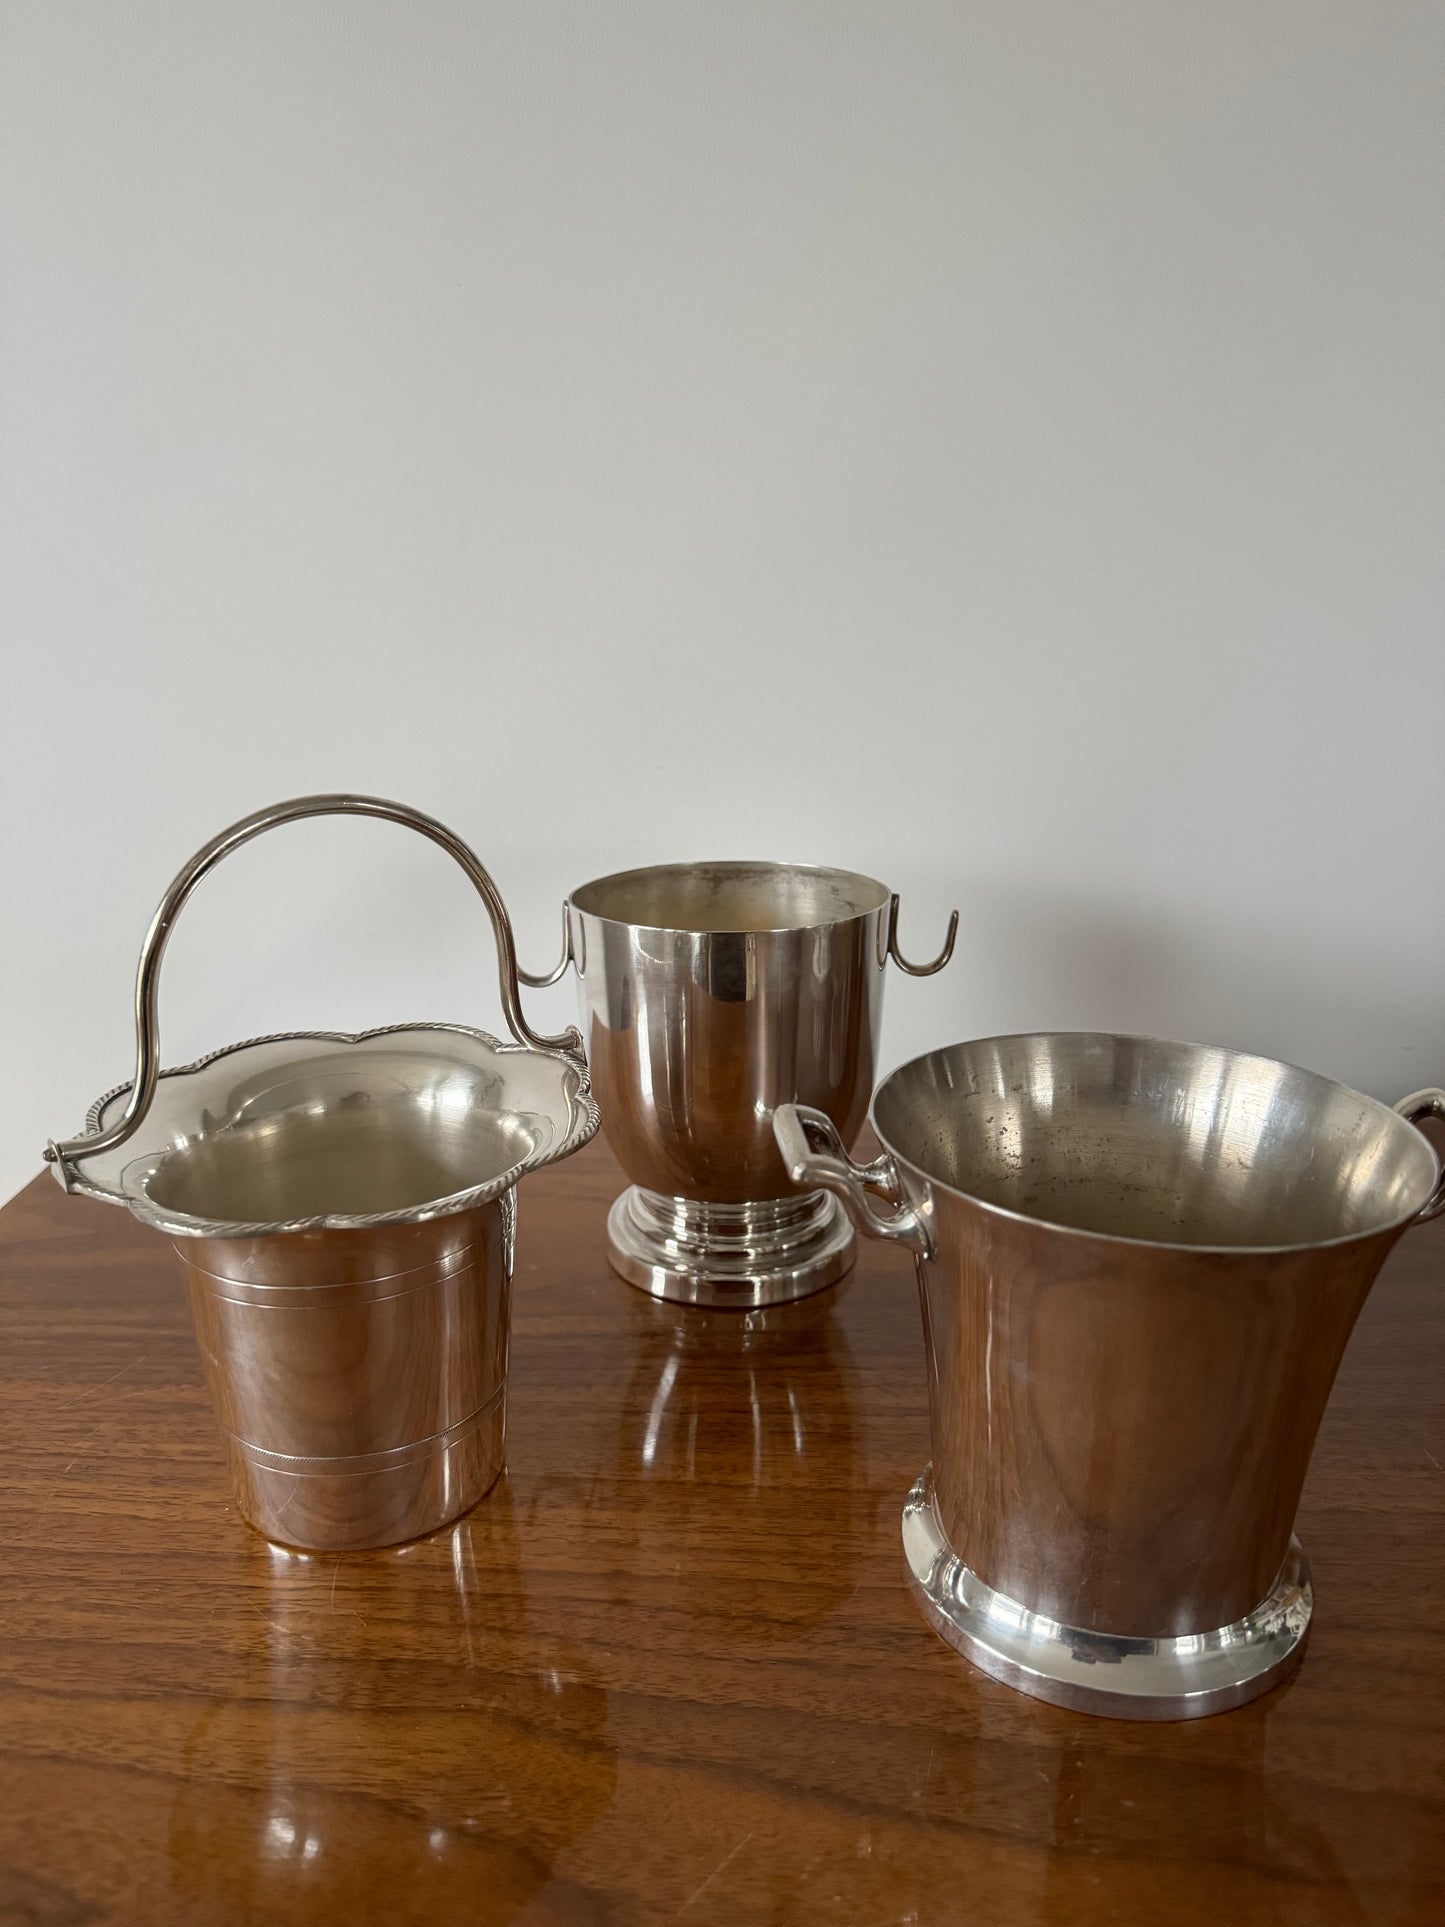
711, 993
1094, 1672
728, 1255
344, 1211
1139, 1265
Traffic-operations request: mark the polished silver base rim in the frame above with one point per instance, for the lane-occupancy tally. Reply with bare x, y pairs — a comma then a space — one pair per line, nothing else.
1104, 1673
729, 1256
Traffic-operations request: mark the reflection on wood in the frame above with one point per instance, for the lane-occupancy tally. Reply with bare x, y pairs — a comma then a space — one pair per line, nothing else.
669, 1666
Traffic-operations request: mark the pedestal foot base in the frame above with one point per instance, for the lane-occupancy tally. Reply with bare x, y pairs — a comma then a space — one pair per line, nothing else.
1122, 1678
740, 1256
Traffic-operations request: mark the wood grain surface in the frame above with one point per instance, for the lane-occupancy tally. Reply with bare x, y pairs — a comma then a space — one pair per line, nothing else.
668, 1670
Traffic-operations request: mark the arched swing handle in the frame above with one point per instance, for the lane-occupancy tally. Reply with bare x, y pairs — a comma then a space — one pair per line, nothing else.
147, 982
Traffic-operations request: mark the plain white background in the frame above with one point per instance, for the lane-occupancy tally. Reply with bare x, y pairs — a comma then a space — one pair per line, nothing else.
994, 446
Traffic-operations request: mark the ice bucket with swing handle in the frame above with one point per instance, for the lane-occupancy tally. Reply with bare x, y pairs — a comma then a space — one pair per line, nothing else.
344, 1210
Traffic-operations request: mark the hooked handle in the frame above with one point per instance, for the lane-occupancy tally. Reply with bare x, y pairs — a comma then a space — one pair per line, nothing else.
918, 970
1418, 1105
147, 981
799, 1128
542, 981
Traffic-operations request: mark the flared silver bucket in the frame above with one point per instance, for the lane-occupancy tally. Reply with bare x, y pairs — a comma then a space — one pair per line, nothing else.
1139, 1263
344, 1211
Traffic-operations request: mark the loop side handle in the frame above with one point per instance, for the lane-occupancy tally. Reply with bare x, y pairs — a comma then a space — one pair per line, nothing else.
918, 970
555, 975
1418, 1105
798, 1128
147, 982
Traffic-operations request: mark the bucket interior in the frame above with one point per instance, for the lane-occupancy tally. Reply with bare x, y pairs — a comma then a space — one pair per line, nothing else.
1144, 1139
732, 897
342, 1136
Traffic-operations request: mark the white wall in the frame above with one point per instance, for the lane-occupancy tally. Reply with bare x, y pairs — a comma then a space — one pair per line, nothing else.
996, 446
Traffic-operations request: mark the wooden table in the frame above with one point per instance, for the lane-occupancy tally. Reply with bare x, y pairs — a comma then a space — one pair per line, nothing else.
668, 1670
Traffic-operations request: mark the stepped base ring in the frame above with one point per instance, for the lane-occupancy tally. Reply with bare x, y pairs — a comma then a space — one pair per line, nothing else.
729, 1256
1106, 1673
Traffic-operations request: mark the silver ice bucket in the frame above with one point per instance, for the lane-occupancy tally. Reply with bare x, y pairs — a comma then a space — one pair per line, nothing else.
1139, 1265
712, 992
344, 1211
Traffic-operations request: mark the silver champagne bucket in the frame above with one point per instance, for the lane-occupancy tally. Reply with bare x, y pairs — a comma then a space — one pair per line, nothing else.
1139, 1265
344, 1211
711, 993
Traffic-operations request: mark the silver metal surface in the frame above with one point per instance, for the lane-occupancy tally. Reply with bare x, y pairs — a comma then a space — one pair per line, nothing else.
1139, 1265
343, 1208
711, 992
815, 1154
919, 970
333, 1131
147, 983
1415, 1109
1103, 1673
359, 1378
734, 1256
544, 980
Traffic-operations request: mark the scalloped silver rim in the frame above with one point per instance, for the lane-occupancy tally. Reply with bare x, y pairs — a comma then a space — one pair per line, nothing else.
180, 1225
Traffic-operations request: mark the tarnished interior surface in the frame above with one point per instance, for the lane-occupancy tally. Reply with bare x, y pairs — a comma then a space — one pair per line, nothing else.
1164, 1142
739, 897
315, 1130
